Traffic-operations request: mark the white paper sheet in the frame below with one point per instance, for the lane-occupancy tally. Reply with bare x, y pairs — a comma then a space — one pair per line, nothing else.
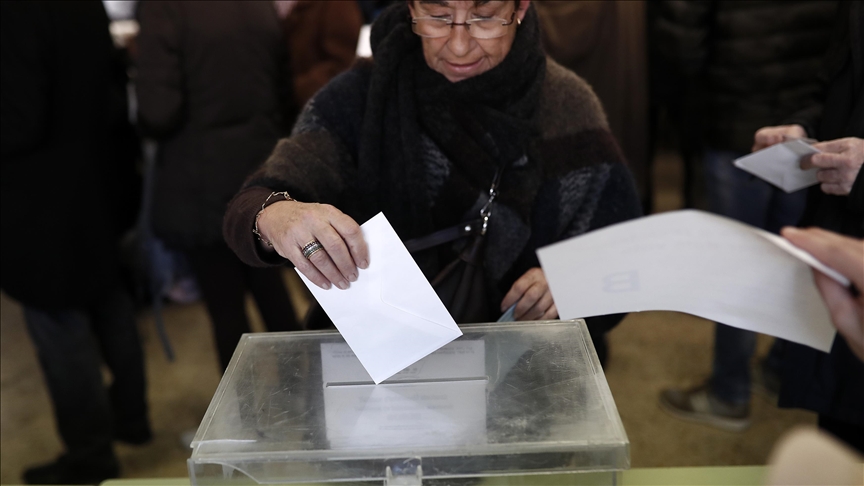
693, 262
438, 401
391, 317
779, 165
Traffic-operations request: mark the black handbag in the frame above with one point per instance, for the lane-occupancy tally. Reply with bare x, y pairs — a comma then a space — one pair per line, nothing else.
461, 284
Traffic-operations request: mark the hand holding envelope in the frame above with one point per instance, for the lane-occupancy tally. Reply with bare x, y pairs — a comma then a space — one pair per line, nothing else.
391, 316
780, 165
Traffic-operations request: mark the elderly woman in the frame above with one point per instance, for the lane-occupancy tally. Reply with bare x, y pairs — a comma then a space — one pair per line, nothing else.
457, 91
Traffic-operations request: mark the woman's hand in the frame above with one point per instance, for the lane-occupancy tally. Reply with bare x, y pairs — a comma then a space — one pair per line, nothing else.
291, 225
532, 297
768, 136
838, 164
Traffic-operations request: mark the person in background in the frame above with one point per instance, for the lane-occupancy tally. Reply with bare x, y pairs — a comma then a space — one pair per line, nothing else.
604, 43
372, 8
830, 383
745, 65
213, 90
322, 42
68, 193
455, 93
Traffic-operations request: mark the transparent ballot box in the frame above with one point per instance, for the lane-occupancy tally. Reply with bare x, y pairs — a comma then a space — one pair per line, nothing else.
502, 400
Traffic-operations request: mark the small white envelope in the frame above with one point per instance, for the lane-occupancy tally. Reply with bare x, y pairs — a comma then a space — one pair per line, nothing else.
779, 165
391, 316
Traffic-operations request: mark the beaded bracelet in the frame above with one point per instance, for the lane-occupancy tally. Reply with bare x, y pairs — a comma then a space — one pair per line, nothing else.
266, 203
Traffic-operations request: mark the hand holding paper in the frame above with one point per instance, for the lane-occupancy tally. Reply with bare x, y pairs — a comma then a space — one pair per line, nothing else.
845, 303
391, 316
693, 262
838, 165
780, 165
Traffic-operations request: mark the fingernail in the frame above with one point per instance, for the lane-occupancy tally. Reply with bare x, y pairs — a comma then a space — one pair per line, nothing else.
343, 285
363, 264
352, 277
326, 286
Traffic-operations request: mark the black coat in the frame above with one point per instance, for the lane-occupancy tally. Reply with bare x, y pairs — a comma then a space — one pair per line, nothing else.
733, 67
66, 195
213, 88
833, 384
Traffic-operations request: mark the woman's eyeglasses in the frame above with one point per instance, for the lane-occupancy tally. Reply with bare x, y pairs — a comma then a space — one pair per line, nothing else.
478, 28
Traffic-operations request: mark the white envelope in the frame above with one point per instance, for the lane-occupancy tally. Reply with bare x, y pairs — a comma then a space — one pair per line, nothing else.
391, 316
780, 165
694, 262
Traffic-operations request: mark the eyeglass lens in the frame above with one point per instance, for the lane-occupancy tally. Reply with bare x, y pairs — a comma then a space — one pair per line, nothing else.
478, 28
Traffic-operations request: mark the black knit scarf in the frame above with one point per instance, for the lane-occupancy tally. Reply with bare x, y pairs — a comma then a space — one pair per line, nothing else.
480, 123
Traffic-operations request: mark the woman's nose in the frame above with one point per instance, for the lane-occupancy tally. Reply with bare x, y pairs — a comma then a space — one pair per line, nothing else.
460, 40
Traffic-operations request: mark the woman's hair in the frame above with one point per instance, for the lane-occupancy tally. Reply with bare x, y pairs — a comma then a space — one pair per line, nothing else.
476, 2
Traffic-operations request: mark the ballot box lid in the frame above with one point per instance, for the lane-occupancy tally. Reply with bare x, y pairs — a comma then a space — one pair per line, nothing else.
503, 399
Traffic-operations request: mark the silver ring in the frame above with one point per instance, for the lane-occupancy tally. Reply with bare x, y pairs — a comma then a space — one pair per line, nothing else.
311, 248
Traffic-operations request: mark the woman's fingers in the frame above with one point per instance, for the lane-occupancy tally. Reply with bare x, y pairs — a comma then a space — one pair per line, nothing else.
532, 297
339, 265
526, 307
291, 226
513, 295
351, 233
518, 289
551, 313
541, 306
307, 268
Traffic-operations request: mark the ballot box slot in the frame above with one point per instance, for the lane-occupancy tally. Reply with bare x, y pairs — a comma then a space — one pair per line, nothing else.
484, 379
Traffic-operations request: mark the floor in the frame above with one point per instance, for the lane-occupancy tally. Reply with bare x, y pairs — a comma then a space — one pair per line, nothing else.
648, 351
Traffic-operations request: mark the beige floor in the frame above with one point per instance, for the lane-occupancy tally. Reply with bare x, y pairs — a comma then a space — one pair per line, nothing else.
649, 351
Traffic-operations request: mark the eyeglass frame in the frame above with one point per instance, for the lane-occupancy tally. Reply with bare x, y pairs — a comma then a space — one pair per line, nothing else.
466, 24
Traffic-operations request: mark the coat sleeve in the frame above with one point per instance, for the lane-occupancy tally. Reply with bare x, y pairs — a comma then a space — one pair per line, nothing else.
159, 85
25, 78
619, 202
681, 32
317, 163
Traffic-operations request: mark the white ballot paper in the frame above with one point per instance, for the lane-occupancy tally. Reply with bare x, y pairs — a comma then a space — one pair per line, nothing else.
779, 165
391, 317
437, 401
694, 262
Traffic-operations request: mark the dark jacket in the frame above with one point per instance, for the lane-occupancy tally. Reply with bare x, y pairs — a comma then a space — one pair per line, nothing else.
604, 43
322, 42
591, 187
66, 196
740, 65
212, 88
833, 384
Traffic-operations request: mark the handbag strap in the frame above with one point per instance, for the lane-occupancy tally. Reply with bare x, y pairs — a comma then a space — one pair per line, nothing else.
461, 230
445, 235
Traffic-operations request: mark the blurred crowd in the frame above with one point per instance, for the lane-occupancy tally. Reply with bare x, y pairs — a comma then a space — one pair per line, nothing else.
128, 127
